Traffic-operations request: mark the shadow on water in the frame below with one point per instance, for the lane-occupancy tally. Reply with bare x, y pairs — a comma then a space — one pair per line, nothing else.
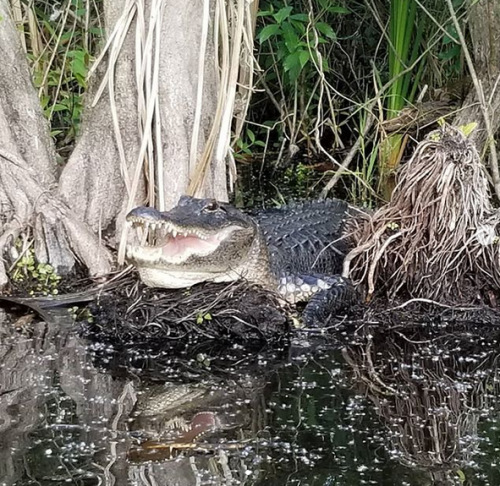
410, 404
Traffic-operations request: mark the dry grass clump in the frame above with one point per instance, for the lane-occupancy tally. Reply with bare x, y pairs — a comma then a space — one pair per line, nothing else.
437, 235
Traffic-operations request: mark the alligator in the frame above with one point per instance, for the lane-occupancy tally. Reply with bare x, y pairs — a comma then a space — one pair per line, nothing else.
296, 250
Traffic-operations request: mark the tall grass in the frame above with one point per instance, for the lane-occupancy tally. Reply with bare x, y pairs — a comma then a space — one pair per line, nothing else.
404, 39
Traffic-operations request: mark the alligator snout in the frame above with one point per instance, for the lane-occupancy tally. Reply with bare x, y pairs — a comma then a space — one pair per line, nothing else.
144, 213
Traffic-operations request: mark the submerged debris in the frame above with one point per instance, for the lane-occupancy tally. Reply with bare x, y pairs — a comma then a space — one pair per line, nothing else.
436, 238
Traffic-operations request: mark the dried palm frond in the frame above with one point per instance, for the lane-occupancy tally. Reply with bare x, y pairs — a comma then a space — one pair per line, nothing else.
438, 233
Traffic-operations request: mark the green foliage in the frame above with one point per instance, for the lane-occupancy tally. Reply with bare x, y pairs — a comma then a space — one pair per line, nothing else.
461, 476
81, 314
203, 360
451, 49
293, 35
60, 42
246, 145
403, 51
202, 317
361, 192
298, 179
295, 43
40, 278
450, 55
321, 62
405, 43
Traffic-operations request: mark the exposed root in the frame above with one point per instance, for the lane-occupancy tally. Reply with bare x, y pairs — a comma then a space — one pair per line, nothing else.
67, 239
60, 238
437, 236
10, 232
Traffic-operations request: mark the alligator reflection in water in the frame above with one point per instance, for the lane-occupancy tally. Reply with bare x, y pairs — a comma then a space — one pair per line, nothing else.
209, 429
207, 415
254, 419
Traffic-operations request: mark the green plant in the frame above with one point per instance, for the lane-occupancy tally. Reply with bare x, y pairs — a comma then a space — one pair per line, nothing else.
202, 317
245, 144
59, 40
298, 180
293, 32
295, 51
450, 55
404, 46
361, 192
203, 360
81, 314
40, 278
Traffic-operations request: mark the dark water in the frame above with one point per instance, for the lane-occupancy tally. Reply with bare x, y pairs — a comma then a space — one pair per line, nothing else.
411, 405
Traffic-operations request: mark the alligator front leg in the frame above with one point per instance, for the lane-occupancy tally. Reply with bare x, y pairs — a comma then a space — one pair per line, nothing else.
327, 302
325, 294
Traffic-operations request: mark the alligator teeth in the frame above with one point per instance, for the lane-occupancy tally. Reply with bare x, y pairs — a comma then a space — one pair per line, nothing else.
152, 233
144, 237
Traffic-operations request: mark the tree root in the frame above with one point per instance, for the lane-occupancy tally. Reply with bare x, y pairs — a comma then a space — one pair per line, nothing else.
10, 234
65, 238
60, 238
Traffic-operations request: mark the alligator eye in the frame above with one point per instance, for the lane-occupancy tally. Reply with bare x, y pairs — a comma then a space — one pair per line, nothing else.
211, 206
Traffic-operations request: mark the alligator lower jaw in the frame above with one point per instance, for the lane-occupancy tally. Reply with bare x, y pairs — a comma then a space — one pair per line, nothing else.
171, 279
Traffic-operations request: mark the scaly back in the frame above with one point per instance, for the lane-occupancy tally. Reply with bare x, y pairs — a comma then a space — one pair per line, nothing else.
305, 237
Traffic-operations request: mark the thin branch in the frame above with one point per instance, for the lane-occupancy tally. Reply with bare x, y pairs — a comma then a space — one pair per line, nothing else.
495, 174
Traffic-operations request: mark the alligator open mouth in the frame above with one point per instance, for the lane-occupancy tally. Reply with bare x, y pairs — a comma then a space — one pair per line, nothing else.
196, 241
172, 242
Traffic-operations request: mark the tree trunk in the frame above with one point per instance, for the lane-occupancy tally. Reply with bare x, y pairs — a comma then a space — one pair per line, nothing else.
484, 24
136, 98
93, 181
28, 171
181, 35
